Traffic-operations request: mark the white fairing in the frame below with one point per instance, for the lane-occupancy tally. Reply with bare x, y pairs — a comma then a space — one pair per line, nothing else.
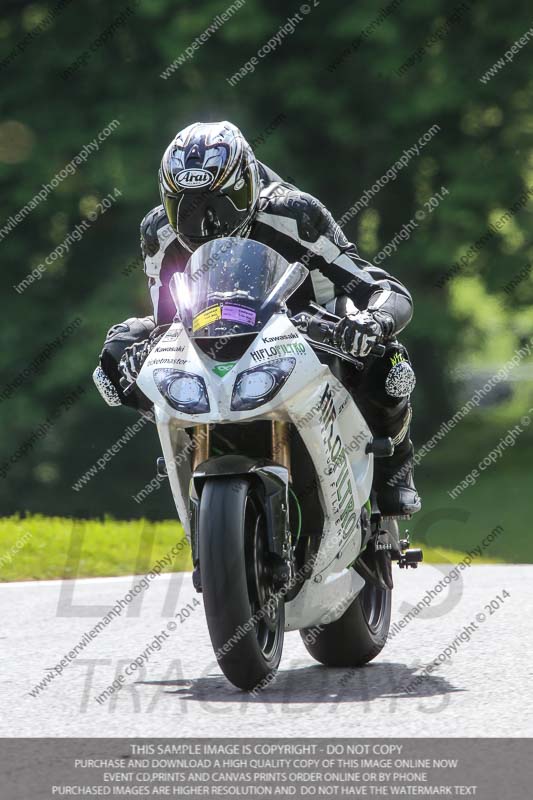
329, 423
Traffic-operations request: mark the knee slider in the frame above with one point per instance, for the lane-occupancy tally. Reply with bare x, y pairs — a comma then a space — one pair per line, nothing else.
106, 387
400, 379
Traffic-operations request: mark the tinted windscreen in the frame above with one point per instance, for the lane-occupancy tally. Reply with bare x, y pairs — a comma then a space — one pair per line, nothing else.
232, 286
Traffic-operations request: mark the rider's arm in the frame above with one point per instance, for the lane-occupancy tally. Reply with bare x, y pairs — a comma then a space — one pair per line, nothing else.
350, 273
324, 249
162, 258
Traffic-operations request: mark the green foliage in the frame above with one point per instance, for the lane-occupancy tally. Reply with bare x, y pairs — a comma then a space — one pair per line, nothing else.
344, 127
499, 497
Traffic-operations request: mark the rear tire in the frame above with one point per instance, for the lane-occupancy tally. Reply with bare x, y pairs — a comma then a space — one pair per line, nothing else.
246, 638
359, 635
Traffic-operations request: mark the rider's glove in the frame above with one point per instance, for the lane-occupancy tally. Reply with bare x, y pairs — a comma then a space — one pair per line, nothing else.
131, 362
357, 334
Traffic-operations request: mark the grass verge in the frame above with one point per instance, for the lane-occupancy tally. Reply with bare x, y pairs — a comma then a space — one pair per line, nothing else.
44, 548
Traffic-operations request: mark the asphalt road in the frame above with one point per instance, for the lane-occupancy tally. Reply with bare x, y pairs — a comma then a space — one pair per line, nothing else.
481, 690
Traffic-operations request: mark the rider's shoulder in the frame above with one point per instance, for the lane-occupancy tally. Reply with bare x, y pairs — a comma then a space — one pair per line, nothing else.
154, 226
283, 199
155, 219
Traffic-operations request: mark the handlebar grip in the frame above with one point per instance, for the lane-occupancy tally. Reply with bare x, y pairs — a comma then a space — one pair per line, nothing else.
319, 328
301, 321
322, 330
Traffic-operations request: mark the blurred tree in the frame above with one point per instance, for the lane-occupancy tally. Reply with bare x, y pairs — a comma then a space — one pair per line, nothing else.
348, 113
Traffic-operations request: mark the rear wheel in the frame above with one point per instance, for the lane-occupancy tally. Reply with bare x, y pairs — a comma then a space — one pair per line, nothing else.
359, 635
246, 621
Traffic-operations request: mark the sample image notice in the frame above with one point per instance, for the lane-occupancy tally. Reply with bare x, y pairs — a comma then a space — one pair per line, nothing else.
269, 768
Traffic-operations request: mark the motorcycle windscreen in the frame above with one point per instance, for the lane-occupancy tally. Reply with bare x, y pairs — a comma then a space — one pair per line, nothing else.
232, 286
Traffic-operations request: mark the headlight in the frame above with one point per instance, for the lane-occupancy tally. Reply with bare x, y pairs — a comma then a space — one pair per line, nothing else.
184, 392
258, 385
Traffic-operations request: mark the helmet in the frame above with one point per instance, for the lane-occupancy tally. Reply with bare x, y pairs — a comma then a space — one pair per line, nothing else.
209, 183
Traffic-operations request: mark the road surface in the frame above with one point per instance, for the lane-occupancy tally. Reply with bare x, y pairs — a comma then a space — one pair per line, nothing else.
481, 690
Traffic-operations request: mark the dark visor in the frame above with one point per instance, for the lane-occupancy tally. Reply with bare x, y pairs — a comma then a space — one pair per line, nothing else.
203, 215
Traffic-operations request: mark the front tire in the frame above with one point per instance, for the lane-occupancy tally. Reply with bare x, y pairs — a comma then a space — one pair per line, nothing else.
246, 623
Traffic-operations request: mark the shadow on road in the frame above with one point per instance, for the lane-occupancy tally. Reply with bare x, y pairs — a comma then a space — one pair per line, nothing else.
316, 684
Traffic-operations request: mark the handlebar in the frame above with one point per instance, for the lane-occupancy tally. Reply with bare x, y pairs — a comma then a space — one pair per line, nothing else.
320, 328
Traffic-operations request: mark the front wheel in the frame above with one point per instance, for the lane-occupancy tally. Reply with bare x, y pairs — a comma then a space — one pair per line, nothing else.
246, 620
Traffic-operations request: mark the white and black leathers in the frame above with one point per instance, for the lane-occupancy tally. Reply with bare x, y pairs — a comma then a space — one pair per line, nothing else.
300, 228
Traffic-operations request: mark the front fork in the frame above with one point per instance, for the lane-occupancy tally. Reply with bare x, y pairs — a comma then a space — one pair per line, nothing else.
201, 441
281, 447
280, 444
277, 507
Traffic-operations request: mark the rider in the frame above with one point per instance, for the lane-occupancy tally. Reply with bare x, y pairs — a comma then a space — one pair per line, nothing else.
212, 185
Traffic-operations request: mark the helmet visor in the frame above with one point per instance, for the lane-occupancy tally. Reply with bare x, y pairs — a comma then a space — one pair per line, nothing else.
199, 216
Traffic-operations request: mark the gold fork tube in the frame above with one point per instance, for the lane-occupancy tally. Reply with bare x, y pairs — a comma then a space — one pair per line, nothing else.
281, 448
201, 439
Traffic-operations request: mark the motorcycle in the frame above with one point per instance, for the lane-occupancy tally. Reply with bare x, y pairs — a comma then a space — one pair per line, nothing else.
270, 464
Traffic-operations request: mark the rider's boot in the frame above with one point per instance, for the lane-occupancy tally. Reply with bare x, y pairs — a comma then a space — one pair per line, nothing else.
389, 383
396, 493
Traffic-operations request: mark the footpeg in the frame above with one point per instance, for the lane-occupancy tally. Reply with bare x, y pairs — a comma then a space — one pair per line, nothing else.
380, 447
408, 556
411, 558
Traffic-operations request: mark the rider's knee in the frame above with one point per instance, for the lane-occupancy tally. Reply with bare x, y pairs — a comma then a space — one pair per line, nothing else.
391, 378
119, 337
122, 335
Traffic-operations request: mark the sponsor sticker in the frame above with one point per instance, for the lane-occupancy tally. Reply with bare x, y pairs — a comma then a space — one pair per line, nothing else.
397, 358
180, 361
239, 314
206, 317
173, 335
280, 338
223, 369
292, 348
339, 486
